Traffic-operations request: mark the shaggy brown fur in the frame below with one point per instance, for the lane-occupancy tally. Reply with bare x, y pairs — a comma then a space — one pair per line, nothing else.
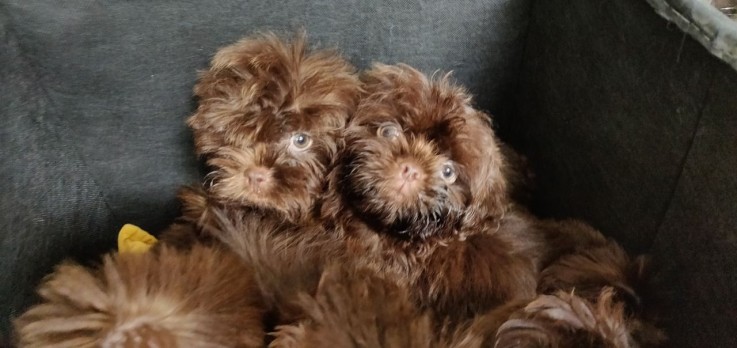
594, 295
167, 299
269, 123
573, 257
358, 308
589, 270
567, 320
286, 260
419, 193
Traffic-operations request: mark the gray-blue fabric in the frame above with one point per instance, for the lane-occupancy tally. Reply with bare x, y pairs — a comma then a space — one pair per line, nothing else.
630, 123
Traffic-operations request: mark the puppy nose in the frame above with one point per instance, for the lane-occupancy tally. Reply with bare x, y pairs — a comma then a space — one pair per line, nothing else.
410, 171
257, 176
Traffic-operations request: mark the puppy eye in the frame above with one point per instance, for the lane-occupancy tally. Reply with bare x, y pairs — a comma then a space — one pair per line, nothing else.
389, 131
301, 141
448, 172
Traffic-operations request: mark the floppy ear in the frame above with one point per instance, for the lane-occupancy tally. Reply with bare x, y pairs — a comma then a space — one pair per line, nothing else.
235, 83
487, 182
392, 78
330, 207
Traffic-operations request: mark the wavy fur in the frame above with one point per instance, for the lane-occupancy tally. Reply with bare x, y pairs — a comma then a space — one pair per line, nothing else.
168, 299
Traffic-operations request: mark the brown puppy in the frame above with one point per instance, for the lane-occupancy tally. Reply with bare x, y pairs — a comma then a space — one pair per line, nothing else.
593, 295
594, 269
269, 124
167, 299
403, 206
419, 194
567, 320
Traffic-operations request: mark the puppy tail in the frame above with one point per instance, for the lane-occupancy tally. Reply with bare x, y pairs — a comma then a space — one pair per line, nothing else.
171, 298
194, 202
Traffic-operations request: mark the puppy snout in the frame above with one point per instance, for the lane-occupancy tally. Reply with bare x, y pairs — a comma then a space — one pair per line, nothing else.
410, 172
258, 176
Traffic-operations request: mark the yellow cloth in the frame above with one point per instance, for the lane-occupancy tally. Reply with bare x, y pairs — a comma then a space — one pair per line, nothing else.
132, 239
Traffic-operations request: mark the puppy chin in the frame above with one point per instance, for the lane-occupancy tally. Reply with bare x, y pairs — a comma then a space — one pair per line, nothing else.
404, 215
402, 195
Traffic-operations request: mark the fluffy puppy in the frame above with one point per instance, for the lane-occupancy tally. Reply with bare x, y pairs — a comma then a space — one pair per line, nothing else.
269, 121
592, 270
593, 295
269, 124
419, 193
171, 298
568, 320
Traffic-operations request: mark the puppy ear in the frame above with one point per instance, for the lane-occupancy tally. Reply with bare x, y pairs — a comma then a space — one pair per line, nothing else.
330, 207
194, 201
487, 181
383, 77
235, 84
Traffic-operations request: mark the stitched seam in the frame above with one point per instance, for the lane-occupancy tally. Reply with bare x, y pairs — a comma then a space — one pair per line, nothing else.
38, 85
684, 160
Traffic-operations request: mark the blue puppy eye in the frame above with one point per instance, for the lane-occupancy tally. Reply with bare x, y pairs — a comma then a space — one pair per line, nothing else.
448, 173
388, 131
301, 141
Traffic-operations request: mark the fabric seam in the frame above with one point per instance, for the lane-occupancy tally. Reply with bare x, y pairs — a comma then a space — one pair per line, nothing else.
684, 160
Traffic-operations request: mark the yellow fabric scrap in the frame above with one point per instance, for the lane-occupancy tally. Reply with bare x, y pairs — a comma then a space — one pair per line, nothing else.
132, 239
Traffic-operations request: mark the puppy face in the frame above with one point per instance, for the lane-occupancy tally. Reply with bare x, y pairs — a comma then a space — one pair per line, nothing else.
417, 153
269, 122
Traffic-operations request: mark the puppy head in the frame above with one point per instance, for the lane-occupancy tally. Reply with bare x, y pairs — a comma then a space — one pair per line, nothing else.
418, 153
269, 121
